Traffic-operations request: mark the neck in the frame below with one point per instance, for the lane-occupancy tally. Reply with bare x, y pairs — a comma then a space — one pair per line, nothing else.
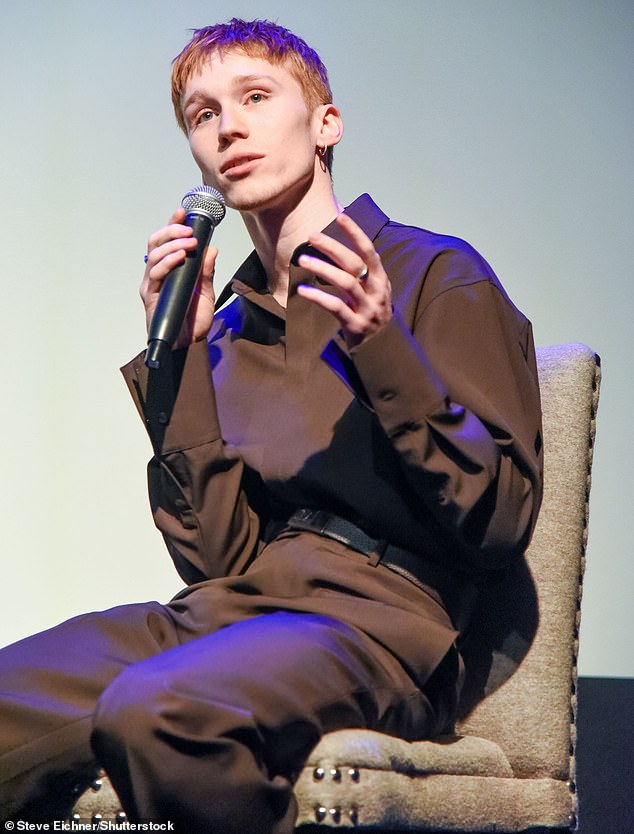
277, 231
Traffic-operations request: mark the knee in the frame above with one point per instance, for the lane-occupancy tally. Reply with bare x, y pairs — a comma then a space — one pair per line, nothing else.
124, 715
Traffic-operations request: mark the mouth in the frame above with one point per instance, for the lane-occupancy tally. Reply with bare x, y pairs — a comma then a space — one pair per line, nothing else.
236, 166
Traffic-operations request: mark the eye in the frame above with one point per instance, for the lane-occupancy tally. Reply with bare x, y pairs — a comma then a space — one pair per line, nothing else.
204, 116
256, 97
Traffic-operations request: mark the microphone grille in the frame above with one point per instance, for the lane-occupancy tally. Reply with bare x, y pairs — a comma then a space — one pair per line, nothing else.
205, 200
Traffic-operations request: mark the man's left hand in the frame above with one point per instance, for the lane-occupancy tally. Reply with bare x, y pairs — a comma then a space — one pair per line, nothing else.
366, 302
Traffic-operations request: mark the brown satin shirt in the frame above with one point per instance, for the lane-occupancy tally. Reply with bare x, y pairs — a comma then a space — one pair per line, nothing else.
427, 435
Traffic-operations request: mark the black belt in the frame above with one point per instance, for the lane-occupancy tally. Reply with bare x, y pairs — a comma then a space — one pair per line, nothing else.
456, 593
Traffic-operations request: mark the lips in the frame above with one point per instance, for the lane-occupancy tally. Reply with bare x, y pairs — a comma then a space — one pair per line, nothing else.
239, 164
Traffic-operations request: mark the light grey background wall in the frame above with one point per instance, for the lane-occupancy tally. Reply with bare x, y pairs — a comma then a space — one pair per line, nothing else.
508, 123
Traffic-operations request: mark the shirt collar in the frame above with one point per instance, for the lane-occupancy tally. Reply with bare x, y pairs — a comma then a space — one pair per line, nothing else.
250, 276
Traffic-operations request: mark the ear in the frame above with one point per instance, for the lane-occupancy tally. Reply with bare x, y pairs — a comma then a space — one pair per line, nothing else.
329, 125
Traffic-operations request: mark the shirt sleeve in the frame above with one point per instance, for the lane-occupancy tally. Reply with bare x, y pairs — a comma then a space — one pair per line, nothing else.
195, 480
455, 389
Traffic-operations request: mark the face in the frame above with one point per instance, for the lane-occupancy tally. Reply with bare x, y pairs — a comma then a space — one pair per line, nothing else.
251, 132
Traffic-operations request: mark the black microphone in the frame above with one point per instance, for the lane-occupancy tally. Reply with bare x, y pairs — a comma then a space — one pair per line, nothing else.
205, 208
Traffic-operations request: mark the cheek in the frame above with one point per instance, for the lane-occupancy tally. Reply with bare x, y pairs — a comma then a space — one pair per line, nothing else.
197, 155
299, 139
203, 162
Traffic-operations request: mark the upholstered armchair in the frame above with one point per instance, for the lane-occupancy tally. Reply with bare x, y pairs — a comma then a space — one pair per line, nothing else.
510, 766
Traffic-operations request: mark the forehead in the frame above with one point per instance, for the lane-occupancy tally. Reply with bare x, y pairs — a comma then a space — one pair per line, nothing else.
225, 71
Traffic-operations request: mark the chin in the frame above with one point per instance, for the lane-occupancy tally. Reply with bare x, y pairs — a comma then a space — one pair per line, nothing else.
243, 202
253, 202
248, 198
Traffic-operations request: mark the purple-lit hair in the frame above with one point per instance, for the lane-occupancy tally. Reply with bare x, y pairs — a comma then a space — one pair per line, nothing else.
257, 39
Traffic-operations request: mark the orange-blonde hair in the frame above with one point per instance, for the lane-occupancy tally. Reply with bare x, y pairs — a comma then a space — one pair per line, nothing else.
257, 39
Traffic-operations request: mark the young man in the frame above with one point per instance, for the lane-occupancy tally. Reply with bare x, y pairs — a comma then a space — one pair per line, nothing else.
340, 455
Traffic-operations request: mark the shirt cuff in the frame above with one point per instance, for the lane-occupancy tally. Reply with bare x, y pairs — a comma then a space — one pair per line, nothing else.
177, 401
398, 377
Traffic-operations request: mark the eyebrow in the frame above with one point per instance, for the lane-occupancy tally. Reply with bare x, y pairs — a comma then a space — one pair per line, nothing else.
196, 97
239, 80
199, 96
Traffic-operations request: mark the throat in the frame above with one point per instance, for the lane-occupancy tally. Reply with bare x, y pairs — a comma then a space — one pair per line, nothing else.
279, 291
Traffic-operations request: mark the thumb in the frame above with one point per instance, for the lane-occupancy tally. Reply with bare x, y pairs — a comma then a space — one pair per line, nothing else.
209, 263
207, 269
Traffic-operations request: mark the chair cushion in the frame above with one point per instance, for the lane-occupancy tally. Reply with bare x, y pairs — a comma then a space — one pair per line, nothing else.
362, 779
462, 755
432, 802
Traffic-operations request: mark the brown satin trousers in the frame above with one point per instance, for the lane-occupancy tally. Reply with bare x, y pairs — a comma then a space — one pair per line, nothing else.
203, 711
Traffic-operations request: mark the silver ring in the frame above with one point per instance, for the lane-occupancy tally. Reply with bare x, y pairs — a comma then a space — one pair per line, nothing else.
363, 275
145, 257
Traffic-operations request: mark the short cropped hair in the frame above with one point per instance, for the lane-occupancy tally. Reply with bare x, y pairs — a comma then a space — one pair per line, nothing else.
257, 39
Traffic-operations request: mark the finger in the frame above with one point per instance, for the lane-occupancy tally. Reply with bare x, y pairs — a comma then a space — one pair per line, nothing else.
155, 274
353, 325
339, 253
359, 258
178, 216
159, 252
174, 232
173, 229
332, 303
207, 270
209, 260
349, 284
362, 245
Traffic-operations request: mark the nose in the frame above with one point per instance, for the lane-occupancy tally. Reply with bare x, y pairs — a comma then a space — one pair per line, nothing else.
232, 124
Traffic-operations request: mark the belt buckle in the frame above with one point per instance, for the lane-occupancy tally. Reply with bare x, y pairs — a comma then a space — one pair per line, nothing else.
313, 521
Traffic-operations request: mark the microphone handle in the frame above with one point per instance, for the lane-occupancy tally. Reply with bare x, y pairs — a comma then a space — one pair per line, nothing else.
176, 294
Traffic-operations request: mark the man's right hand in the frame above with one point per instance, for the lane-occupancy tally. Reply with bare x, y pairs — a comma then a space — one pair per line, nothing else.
168, 248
